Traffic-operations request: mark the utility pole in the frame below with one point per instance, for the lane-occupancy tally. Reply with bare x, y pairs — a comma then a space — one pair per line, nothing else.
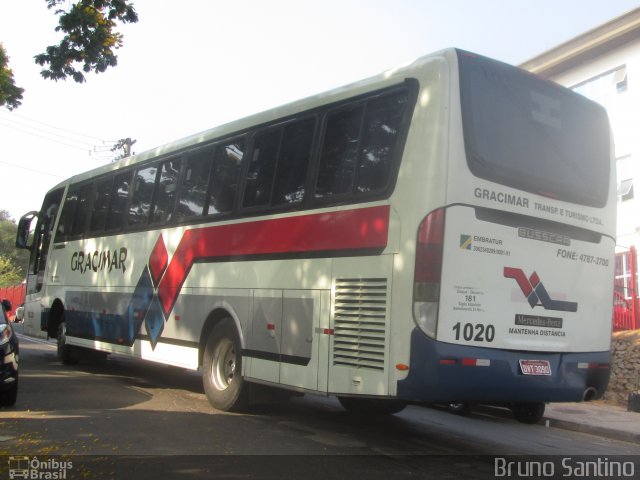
125, 144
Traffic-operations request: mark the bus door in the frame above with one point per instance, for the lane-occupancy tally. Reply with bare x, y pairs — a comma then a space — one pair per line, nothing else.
39, 247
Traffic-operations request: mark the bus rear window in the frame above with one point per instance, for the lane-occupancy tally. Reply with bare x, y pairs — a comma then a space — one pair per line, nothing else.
531, 134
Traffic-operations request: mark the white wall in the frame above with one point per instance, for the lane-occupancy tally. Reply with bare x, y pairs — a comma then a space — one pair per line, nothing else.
624, 114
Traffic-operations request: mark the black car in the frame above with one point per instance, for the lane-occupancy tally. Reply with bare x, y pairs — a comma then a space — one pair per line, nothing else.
8, 362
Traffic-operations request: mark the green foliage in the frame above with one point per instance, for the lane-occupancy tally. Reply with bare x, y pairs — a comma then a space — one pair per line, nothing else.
88, 44
13, 262
89, 40
9, 272
10, 94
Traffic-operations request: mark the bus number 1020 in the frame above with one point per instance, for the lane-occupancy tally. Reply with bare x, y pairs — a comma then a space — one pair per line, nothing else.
474, 333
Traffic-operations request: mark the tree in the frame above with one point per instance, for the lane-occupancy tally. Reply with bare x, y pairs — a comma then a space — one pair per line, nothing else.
10, 94
10, 273
14, 262
88, 44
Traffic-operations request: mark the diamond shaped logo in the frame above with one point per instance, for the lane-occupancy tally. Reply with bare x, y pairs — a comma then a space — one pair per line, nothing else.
158, 261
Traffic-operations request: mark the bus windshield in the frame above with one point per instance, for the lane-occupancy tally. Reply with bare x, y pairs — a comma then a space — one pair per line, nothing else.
532, 135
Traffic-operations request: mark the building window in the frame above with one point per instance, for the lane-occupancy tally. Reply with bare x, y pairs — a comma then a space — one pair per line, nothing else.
601, 86
620, 79
625, 190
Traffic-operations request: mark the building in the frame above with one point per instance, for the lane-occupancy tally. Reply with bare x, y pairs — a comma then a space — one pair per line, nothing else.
604, 65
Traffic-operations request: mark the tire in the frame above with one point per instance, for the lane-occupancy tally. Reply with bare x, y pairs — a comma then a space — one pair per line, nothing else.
222, 369
66, 353
8, 398
529, 413
371, 406
459, 408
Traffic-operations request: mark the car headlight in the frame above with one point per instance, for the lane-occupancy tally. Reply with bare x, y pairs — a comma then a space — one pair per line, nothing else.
5, 334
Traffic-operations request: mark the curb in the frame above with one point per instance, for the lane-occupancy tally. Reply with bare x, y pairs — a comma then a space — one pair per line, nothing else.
610, 433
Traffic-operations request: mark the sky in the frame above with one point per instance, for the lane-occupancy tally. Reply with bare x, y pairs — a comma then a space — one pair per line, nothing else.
191, 65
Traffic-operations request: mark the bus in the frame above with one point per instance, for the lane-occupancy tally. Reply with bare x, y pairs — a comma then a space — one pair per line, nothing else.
441, 233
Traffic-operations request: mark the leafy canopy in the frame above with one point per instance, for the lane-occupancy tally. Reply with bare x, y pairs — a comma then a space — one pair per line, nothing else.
88, 44
10, 94
89, 40
9, 272
13, 262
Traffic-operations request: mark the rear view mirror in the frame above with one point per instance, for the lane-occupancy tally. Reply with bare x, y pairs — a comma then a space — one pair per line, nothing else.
24, 227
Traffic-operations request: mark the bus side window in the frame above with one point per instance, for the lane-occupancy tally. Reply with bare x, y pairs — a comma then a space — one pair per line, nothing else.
166, 187
295, 154
81, 217
119, 198
67, 215
262, 167
225, 175
101, 203
143, 185
359, 146
383, 121
339, 152
195, 182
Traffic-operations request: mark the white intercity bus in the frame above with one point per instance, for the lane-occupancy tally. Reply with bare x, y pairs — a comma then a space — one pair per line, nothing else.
443, 232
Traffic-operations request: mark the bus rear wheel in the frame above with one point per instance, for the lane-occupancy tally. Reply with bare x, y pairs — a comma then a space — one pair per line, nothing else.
222, 368
530, 413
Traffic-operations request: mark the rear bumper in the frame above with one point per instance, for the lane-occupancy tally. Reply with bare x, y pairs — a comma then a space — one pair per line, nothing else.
439, 373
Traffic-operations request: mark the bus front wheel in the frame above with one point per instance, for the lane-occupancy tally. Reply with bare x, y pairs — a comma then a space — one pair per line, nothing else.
222, 368
66, 353
529, 413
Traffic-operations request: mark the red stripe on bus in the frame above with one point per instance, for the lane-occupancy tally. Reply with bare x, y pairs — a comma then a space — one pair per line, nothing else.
364, 228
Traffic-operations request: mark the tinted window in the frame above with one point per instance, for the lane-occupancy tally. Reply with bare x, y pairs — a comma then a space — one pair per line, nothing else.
120, 196
75, 212
225, 174
339, 152
143, 184
382, 123
295, 155
531, 134
262, 167
101, 203
195, 183
166, 191
81, 218
67, 215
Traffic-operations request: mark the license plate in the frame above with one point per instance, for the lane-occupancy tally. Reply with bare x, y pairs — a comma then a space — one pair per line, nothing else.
535, 367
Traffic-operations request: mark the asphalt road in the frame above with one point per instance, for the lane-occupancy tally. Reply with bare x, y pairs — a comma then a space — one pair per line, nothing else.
123, 418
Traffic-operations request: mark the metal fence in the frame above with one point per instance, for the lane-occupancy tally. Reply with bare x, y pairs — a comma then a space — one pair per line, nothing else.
625, 292
15, 295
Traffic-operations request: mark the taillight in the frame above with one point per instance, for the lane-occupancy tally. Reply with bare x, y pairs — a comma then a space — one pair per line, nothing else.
428, 271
